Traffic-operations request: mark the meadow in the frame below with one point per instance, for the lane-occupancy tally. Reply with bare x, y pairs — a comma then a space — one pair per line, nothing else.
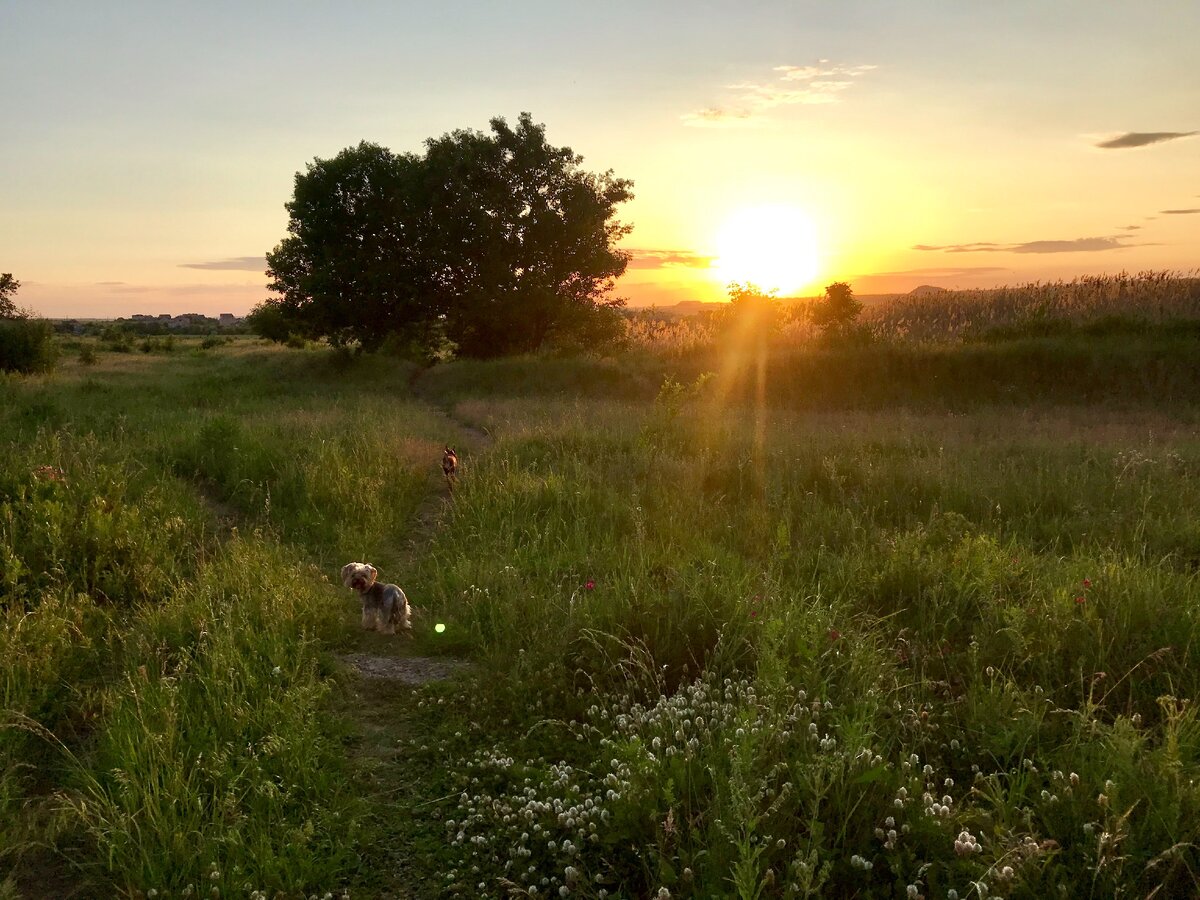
897, 620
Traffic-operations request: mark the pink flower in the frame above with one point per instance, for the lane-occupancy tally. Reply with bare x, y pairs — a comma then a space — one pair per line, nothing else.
754, 613
1080, 600
834, 634
591, 585
1087, 582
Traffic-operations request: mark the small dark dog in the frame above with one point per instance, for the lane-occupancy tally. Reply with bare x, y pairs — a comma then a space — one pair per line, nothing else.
384, 606
450, 464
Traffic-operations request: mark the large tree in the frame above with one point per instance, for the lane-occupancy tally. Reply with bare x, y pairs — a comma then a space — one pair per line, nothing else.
524, 238
348, 268
500, 241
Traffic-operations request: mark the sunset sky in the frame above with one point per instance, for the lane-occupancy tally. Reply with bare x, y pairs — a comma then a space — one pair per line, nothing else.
148, 148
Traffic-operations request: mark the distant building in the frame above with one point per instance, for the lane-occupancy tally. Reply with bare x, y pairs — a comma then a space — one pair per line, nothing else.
228, 319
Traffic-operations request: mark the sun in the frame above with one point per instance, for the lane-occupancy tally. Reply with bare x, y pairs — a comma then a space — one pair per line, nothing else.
772, 247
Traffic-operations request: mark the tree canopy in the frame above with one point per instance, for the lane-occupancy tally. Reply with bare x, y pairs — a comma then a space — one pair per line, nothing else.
837, 312
498, 241
8, 289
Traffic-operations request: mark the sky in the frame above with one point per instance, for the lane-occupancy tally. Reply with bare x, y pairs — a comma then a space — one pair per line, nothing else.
149, 148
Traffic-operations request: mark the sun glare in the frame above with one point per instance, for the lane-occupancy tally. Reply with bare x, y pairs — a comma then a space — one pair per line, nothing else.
772, 247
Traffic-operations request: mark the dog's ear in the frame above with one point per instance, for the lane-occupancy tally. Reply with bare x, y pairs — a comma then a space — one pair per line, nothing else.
347, 569
373, 572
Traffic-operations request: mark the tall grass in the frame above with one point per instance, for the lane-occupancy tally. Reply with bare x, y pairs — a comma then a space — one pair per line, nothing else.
1146, 297
862, 652
167, 529
849, 622
1094, 304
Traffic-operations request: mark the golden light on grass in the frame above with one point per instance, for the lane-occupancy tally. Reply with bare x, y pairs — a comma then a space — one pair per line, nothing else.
773, 247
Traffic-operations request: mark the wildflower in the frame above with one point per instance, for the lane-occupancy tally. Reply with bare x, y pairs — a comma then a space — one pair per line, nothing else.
834, 634
1087, 582
50, 473
591, 585
754, 613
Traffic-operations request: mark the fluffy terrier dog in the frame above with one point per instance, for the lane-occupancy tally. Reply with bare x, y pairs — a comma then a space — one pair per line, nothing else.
384, 606
450, 464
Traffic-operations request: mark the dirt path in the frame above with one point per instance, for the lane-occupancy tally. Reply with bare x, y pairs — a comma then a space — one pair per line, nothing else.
381, 702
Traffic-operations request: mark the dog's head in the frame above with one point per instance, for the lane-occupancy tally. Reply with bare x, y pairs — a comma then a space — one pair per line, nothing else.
449, 454
359, 576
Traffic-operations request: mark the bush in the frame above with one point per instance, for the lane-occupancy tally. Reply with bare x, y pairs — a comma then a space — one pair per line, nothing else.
209, 342
837, 313
26, 345
268, 320
87, 355
116, 339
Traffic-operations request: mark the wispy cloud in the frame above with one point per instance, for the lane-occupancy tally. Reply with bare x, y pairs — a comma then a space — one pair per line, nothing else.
941, 272
1143, 139
1078, 245
1130, 227
718, 117
793, 85
961, 248
121, 287
237, 263
1179, 212
668, 259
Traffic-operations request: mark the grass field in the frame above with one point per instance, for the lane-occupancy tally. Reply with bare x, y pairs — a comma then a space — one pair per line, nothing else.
876, 623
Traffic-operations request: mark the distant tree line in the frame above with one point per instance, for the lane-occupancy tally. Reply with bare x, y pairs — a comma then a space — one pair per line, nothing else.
493, 243
107, 328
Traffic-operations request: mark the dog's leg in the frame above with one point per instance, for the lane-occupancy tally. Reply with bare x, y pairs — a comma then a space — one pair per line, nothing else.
387, 624
368, 617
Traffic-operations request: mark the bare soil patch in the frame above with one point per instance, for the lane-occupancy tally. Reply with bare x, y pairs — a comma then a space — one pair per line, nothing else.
412, 670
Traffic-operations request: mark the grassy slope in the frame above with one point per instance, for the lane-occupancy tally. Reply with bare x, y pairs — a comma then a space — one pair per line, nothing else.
997, 608
182, 663
719, 647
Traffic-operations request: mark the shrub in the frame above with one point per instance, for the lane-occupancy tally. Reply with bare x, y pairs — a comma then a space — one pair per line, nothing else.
268, 320
837, 313
87, 355
209, 342
26, 345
